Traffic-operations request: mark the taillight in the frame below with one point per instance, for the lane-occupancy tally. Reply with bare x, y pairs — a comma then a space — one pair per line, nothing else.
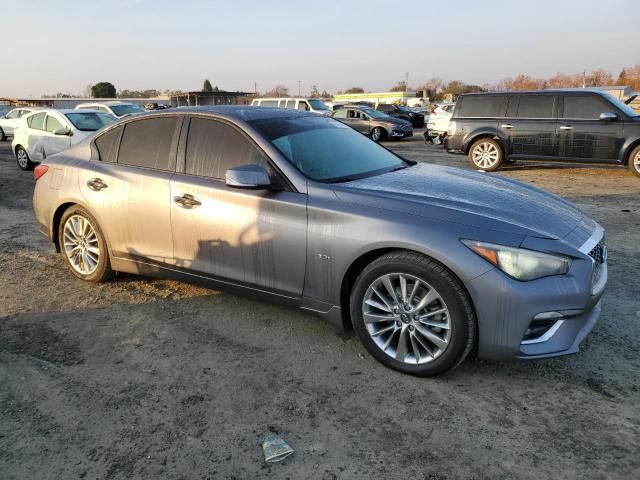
39, 171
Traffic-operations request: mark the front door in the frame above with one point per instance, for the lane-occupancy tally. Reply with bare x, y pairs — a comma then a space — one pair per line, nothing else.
249, 237
51, 142
530, 126
581, 133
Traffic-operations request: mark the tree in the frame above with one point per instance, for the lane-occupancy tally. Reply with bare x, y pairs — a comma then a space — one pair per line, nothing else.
432, 86
630, 76
314, 92
325, 94
354, 90
103, 90
599, 78
400, 87
206, 86
278, 91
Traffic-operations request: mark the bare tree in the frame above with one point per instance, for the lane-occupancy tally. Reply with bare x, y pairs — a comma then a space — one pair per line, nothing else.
401, 86
278, 91
354, 90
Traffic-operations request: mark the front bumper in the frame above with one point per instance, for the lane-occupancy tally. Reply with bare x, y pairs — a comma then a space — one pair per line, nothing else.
506, 308
401, 133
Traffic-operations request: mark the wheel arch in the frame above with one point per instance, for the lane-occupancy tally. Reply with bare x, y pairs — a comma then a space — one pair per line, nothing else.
360, 263
628, 150
56, 218
479, 136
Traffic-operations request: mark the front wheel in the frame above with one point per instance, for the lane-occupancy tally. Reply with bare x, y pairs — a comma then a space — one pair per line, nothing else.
377, 134
83, 246
22, 157
412, 314
3, 137
634, 161
486, 154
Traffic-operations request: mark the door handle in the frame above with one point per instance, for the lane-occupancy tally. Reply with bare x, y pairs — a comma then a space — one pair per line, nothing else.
96, 184
566, 127
187, 201
507, 126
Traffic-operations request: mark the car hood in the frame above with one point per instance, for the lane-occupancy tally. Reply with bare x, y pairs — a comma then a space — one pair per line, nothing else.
471, 198
394, 121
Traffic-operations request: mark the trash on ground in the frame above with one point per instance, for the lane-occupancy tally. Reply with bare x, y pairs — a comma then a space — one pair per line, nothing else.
275, 448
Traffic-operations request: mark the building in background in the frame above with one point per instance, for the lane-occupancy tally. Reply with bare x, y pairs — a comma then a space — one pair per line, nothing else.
220, 97
72, 102
411, 99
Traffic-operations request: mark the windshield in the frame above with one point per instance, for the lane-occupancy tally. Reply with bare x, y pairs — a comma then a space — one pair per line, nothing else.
374, 113
90, 121
317, 104
122, 110
326, 150
626, 109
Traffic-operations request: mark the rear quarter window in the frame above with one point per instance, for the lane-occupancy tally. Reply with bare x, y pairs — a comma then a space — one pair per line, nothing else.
481, 106
107, 145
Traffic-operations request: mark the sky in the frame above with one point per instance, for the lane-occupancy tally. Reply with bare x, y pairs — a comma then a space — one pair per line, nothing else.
63, 46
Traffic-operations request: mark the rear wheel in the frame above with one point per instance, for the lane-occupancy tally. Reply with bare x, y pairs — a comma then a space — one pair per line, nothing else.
485, 154
412, 314
634, 161
83, 246
22, 157
377, 134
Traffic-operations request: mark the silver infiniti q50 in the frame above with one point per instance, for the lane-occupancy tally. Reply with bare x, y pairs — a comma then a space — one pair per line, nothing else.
427, 264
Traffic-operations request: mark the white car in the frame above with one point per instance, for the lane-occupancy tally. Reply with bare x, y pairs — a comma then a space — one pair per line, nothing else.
118, 109
47, 132
313, 105
10, 121
438, 121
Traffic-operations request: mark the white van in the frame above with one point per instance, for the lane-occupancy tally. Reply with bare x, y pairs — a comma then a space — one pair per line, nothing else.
309, 104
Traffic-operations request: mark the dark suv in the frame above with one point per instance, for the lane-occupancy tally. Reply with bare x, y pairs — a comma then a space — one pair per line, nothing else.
373, 123
578, 125
398, 111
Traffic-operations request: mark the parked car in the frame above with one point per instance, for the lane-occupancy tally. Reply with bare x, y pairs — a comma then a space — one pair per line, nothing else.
398, 111
10, 121
47, 132
575, 125
427, 263
117, 109
377, 125
438, 121
308, 104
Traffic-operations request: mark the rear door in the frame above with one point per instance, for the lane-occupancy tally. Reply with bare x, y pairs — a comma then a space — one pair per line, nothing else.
130, 190
249, 237
581, 133
530, 126
34, 136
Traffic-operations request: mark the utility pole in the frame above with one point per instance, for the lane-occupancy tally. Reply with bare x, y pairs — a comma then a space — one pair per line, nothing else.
255, 87
584, 79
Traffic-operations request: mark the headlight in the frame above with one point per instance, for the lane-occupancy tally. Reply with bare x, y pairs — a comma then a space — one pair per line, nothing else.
519, 263
451, 130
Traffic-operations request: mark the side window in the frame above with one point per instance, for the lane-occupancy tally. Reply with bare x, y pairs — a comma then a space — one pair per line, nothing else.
107, 145
536, 106
584, 107
148, 143
14, 114
36, 121
214, 147
291, 104
488, 106
52, 124
302, 105
512, 106
342, 113
269, 103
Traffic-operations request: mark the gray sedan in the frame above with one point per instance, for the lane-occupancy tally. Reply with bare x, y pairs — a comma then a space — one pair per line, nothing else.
427, 264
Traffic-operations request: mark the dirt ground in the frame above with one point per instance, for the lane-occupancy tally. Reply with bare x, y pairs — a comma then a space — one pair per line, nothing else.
140, 378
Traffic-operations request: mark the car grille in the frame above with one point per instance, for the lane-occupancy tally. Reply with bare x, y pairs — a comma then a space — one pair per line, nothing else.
599, 256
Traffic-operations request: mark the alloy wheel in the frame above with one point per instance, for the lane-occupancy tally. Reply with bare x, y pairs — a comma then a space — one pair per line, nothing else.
636, 162
80, 243
485, 155
23, 159
406, 318
376, 135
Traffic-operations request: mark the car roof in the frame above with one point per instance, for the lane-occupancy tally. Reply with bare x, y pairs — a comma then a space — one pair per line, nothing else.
245, 113
64, 110
114, 102
547, 91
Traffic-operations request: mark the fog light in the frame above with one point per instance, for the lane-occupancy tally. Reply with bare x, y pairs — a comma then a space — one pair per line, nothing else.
542, 327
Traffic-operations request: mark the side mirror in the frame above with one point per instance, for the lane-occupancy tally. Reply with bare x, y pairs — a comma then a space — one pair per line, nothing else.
608, 117
250, 177
62, 131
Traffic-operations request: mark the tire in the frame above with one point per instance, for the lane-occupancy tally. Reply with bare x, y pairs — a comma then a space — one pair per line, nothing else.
486, 154
634, 161
23, 160
89, 265
450, 334
378, 134
3, 137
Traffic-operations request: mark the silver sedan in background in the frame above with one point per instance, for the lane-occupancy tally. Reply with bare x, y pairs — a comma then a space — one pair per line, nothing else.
427, 264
